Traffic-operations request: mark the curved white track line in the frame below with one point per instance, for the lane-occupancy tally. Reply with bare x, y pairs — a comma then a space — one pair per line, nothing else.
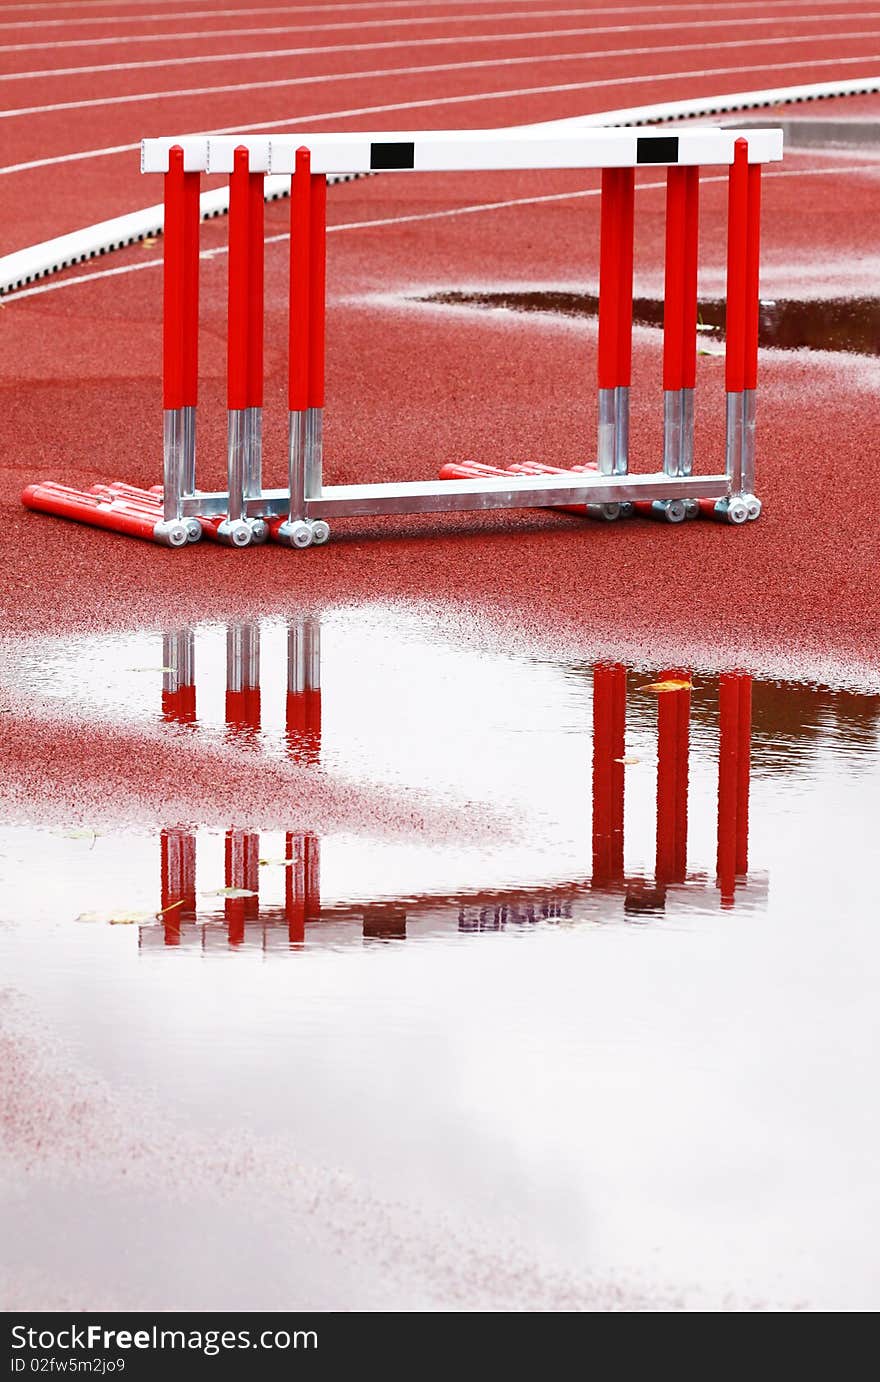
856, 87
477, 208
388, 45
527, 60
694, 9
24, 266
639, 27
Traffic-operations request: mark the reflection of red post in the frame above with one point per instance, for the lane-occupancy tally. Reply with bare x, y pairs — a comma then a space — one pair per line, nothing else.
673, 728
304, 690
178, 677
243, 678
609, 740
178, 849
743, 774
302, 901
242, 871
734, 754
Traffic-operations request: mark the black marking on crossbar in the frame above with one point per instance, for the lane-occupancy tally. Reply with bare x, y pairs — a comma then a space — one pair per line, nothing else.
663, 150
392, 156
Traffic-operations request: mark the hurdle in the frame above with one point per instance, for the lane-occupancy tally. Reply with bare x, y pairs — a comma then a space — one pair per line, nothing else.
298, 515
639, 890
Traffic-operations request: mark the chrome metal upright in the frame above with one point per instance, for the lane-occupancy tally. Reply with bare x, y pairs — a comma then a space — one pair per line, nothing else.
242, 657
173, 468
178, 660
607, 440
304, 655
621, 434
672, 432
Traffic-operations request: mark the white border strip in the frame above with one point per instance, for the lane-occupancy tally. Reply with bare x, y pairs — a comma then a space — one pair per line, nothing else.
25, 266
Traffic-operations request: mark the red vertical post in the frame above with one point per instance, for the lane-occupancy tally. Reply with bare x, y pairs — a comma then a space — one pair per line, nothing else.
673, 730
689, 278
239, 283
625, 230
728, 774
178, 881
300, 282
317, 287
242, 851
602, 825
609, 737
174, 260
673, 288
737, 255
618, 768
683, 709
609, 278
303, 884
190, 309
743, 773
255, 275
752, 274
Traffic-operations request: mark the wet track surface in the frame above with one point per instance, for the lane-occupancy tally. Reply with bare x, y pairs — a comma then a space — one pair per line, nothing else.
626, 1028
484, 977
847, 324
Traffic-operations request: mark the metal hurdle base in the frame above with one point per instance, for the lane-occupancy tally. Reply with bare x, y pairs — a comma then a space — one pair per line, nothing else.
674, 498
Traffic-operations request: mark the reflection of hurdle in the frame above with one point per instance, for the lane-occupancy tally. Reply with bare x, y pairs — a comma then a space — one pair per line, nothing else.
242, 847
477, 909
673, 723
299, 514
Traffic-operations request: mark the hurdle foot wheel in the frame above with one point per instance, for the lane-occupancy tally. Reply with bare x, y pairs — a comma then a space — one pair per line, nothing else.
754, 506
172, 532
320, 532
673, 510
193, 529
737, 511
296, 534
259, 531
608, 513
235, 532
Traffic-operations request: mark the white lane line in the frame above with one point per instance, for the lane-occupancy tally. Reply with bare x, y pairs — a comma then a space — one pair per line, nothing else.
695, 8
477, 208
309, 119
690, 74
179, 36
387, 45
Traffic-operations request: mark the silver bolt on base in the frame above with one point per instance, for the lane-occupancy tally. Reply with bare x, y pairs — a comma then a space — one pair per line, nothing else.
691, 508
320, 532
235, 532
193, 529
627, 509
297, 533
606, 512
171, 533
734, 510
673, 510
259, 531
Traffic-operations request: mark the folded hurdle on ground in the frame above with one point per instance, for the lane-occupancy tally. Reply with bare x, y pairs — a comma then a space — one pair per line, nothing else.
297, 514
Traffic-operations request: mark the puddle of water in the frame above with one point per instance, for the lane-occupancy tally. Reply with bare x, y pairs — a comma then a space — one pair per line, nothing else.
851, 325
639, 1025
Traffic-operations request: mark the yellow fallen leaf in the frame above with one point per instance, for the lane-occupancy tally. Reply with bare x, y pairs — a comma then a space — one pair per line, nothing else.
231, 892
659, 687
148, 241
280, 863
628, 760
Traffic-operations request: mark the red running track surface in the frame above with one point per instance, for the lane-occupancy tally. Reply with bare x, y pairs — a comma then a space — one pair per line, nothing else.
409, 386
